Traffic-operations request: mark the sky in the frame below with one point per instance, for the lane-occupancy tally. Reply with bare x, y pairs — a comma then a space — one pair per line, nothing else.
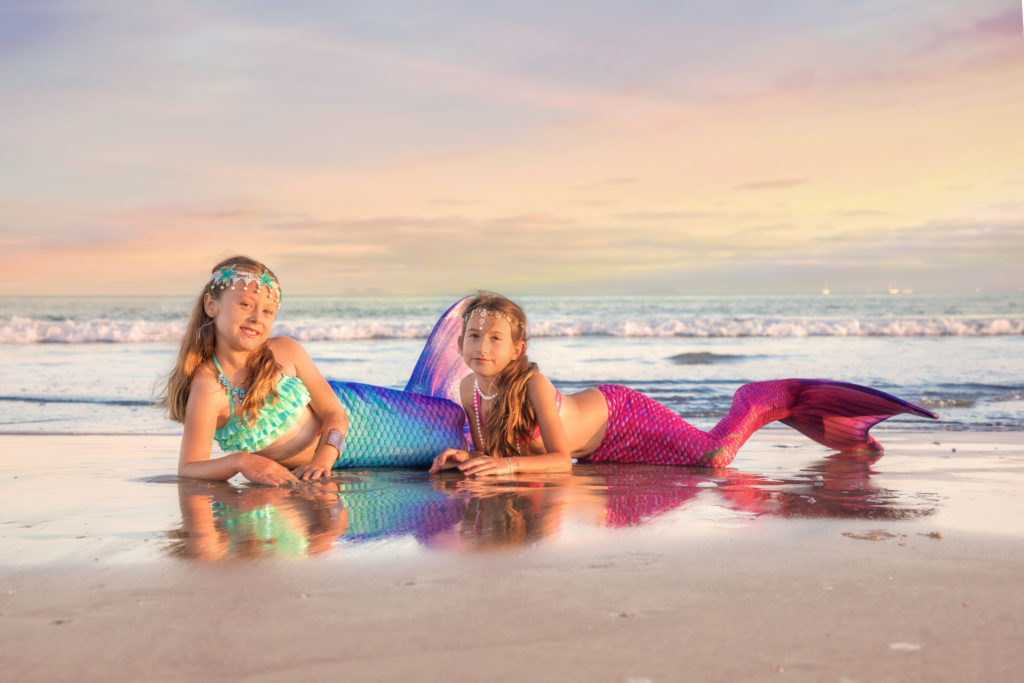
579, 146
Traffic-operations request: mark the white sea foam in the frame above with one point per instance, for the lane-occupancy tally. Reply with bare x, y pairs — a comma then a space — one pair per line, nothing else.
21, 330
26, 330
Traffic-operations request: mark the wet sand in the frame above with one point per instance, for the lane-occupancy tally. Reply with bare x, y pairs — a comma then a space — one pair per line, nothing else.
793, 564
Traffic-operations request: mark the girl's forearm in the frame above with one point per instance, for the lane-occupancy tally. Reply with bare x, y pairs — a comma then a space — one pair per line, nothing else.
326, 453
549, 462
222, 468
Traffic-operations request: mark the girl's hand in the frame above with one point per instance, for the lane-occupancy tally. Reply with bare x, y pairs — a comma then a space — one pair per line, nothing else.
311, 471
486, 466
449, 458
260, 470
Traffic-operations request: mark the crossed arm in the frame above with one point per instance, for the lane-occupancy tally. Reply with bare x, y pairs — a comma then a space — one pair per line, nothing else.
207, 403
557, 457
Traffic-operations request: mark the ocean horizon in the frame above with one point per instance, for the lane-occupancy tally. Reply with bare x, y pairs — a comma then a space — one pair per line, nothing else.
93, 364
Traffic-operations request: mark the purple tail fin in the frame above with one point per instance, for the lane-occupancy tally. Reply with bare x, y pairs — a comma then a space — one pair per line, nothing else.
839, 414
440, 367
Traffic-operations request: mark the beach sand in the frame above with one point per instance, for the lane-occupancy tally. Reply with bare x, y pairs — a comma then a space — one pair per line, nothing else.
793, 564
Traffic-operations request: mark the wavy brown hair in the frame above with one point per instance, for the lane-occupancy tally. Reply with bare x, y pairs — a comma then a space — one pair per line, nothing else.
512, 418
197, 347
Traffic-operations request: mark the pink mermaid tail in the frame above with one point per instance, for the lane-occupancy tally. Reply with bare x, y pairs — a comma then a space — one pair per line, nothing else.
836, 414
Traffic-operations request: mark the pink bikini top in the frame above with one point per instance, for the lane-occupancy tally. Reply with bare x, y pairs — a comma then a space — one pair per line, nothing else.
536, 430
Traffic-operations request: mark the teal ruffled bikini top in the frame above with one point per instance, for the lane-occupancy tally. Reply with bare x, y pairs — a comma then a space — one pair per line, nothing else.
275, 417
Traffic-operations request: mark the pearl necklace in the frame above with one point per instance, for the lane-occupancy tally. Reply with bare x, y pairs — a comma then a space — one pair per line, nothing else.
476, 388
476, 414
477, 395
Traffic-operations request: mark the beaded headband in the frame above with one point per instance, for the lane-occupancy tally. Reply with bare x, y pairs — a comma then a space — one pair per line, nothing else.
484, 312
228, 277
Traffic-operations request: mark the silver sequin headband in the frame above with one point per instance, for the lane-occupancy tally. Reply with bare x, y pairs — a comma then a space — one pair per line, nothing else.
484, 312
229, 277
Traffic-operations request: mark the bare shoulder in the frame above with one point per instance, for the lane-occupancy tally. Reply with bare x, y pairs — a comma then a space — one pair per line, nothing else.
206, 377
539, 383
288, 352
466, 389
206, 385
539, 387
285, 346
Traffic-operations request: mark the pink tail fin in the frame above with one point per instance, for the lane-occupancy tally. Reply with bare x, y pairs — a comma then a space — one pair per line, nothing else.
839, 414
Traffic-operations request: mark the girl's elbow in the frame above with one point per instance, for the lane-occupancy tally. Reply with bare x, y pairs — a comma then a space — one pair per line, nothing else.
185, 471
563, 463
195, 470
335, 416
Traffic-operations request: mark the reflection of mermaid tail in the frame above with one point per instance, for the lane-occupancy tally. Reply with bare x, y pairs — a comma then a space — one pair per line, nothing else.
837, 486
387, 506
636, 495
836, 414
396, 428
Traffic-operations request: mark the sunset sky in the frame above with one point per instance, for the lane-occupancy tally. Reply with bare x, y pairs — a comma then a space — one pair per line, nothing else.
527, 147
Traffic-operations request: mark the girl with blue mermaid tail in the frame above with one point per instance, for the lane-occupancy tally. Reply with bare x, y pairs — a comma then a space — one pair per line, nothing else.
520, 423
268, 406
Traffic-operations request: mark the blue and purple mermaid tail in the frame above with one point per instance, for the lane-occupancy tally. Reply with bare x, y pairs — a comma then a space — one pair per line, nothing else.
389, 427
440, 367
409, 428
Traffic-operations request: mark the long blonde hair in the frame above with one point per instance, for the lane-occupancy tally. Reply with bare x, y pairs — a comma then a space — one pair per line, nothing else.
197, 346
512, 418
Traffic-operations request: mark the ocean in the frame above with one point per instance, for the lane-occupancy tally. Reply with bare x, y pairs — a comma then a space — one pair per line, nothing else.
92, 365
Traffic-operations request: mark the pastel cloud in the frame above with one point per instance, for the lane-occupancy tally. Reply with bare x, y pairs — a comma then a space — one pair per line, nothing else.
771, 184
543, 147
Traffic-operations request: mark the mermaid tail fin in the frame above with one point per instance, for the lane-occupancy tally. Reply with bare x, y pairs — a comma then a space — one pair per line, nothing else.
839, 414
440, 367
835, 414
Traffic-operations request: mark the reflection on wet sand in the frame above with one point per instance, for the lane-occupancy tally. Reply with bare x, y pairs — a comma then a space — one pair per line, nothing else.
220, 521
449, 512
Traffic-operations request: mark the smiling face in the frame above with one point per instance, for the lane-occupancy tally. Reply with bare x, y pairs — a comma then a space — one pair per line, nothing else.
243, 316
488, 345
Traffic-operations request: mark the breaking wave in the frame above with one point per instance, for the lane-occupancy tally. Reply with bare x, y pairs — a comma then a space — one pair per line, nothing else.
27, 330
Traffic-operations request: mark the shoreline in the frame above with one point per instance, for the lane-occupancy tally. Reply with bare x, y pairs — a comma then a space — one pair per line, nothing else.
745, 579
881, 431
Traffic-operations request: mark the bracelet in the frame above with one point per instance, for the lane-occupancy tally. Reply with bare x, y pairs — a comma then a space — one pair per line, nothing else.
336, 438
511, 470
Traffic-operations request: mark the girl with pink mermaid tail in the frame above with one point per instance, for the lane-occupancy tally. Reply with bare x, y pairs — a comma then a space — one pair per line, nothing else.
519, 422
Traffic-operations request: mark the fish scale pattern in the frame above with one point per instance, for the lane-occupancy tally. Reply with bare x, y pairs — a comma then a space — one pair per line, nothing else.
396, 510
836, 414
390, 428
